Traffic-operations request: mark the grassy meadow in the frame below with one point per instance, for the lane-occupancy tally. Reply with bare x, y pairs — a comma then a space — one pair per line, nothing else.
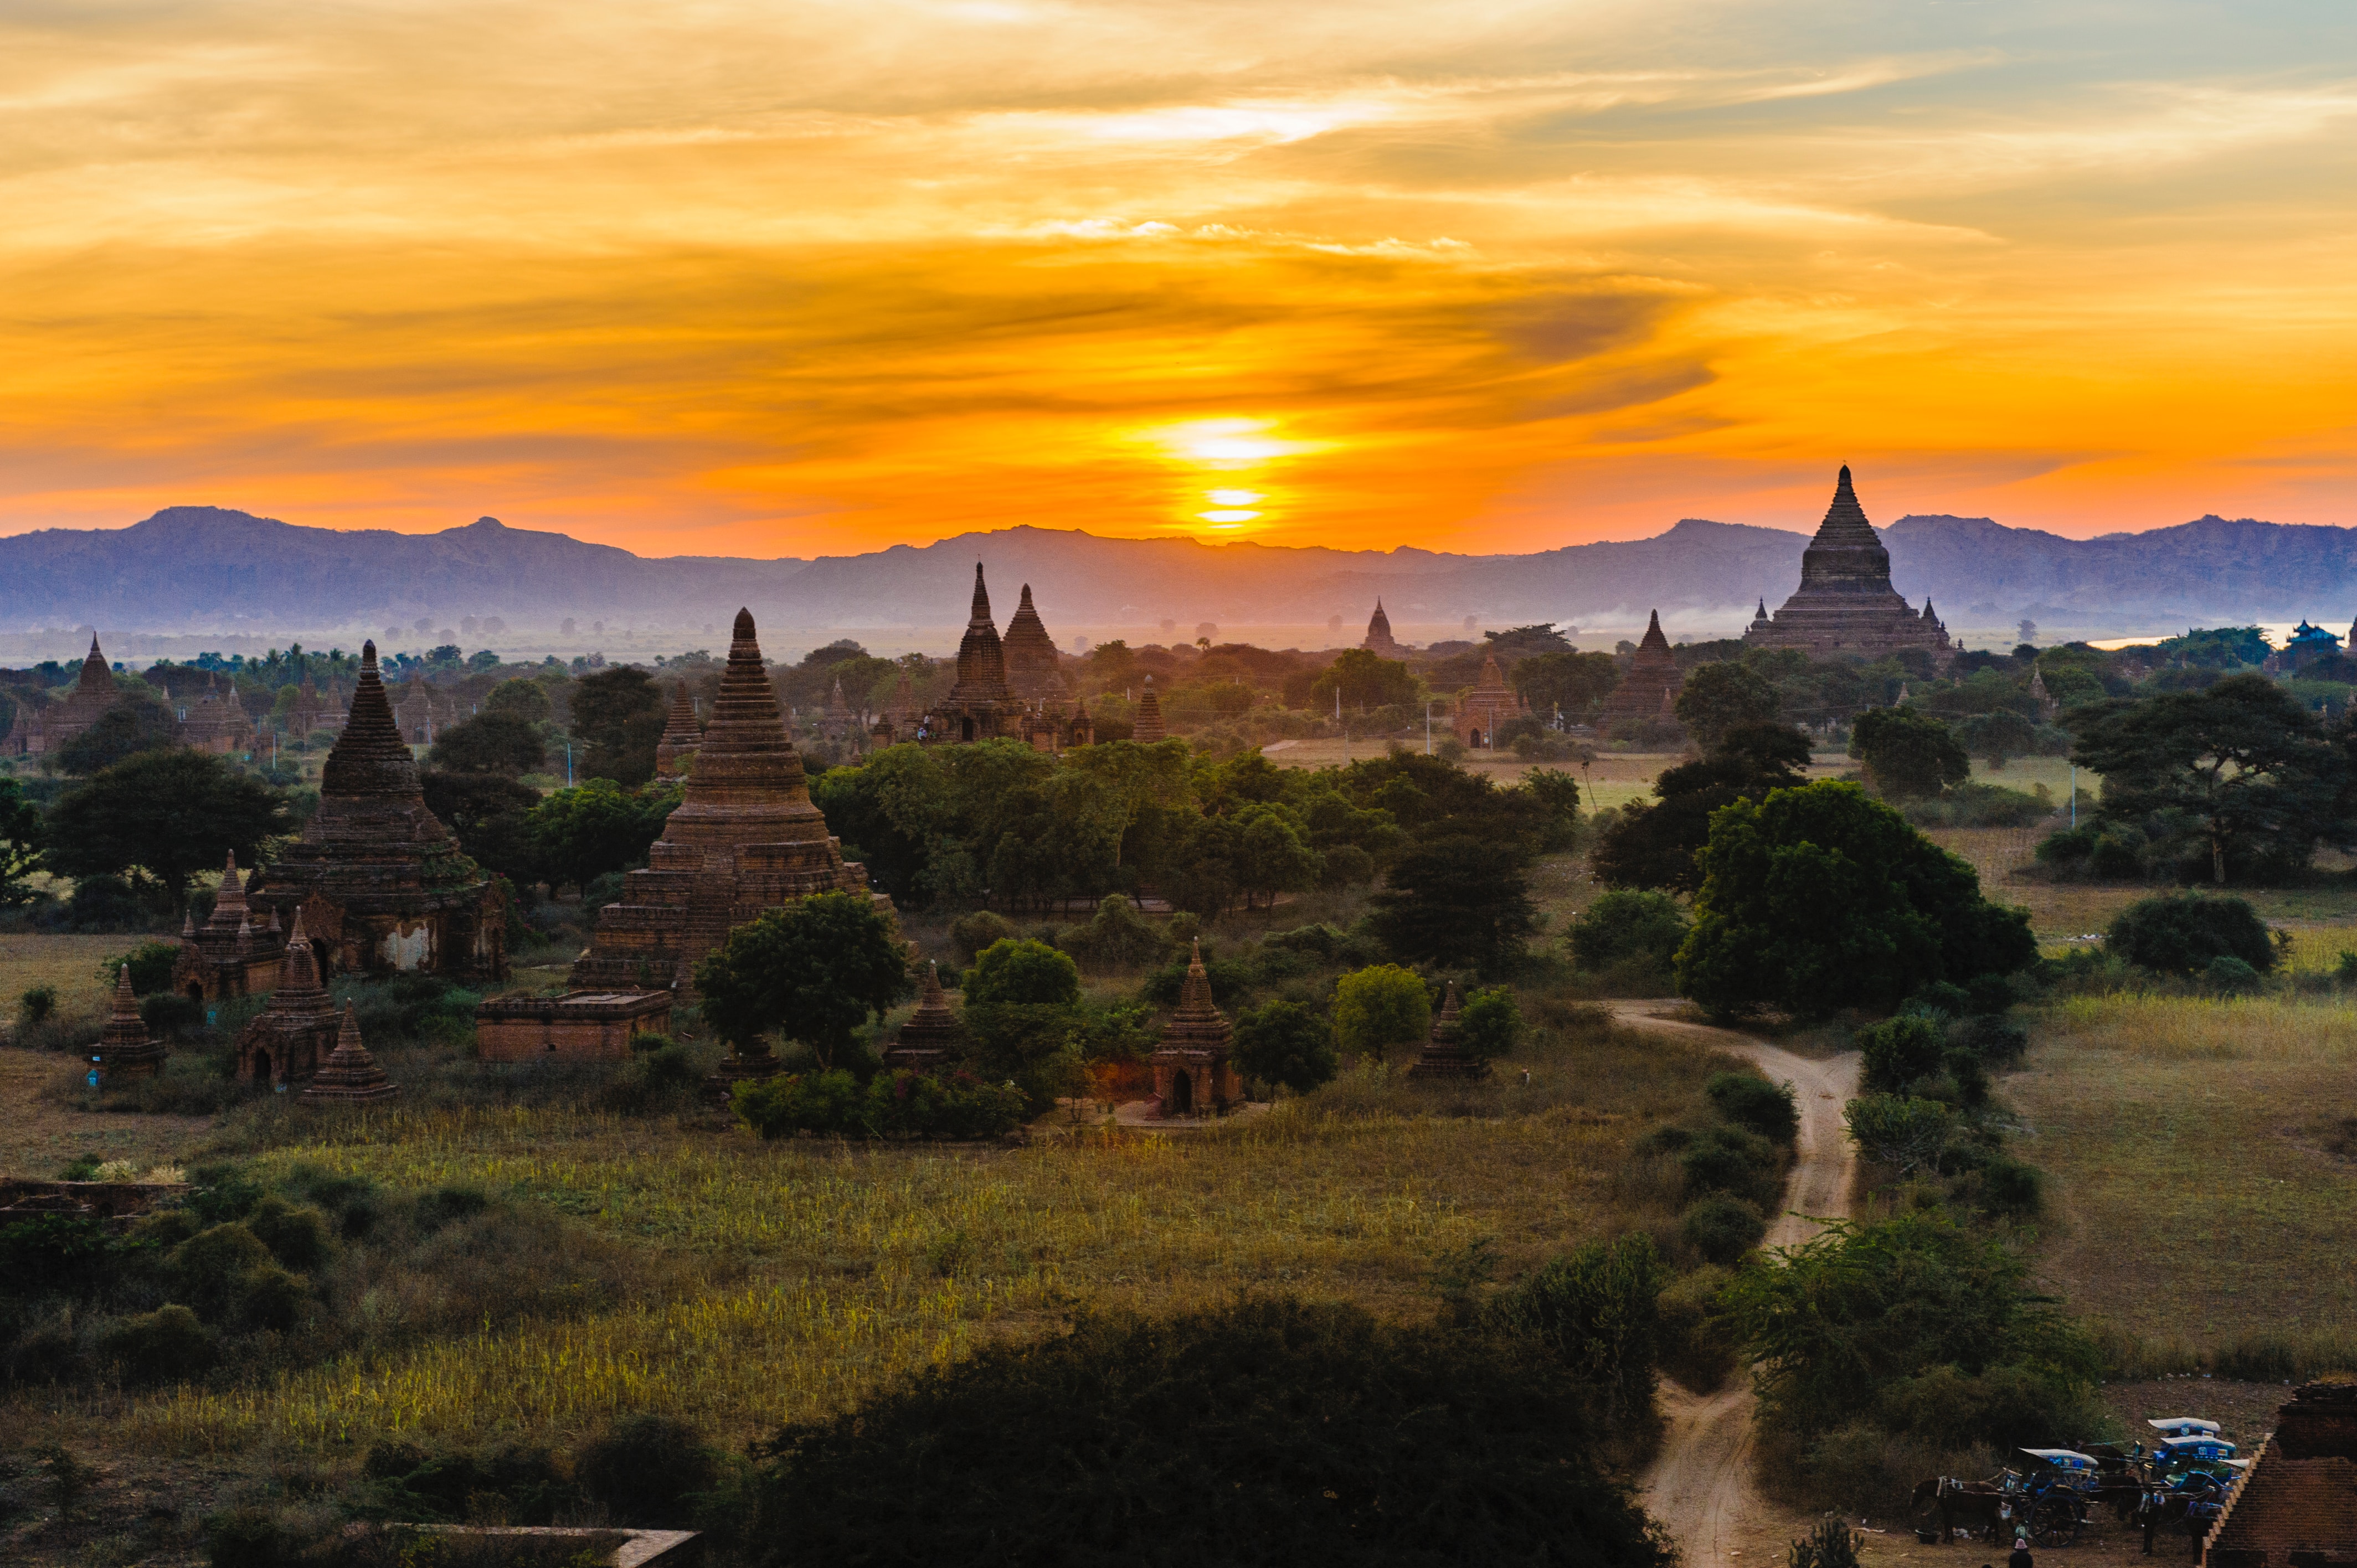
775, 1280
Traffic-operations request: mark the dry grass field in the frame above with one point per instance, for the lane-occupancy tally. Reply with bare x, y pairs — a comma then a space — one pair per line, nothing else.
67, 963
826, 1268
2202, 1161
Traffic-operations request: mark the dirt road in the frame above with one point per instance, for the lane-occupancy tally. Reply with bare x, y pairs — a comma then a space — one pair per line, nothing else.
1700, 1486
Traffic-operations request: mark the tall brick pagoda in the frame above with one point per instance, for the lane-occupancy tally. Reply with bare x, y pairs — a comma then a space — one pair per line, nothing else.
1378, 640
1845, 606
1444, 1055
381, 882
746, 838
125, 1049
36, 732
932, 1036
680, 735
981, 706
1146, 726
1034, 673
1647, 691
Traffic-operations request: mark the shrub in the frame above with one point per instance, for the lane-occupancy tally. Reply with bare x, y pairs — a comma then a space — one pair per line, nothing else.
249, 1537
1490, 1023
1270, 1429
150, 964
2180, 934
1831, 1544
896, 1105
1997, 1041
1943, 996
296, 1237
2231, 975
35, 1005
648, 1470
1599, 1309
1728, 1159
1905, 1134
1323, 942
969, 934
1754, 1104
1898, 1051
161, 1346
1379, 1008
1721, 1227
1284, 1042
1965, 1070
1116, 938
1629, 923
2011, 1189
170, 1015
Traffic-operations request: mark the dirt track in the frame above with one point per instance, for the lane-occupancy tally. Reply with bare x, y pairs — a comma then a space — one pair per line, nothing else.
1700, 1486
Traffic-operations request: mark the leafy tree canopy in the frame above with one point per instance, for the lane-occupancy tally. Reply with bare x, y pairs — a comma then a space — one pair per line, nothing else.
2243, 765
618, 717
1458, 901
815, 970
495, 741
1381, 1007
1023, 973
492, 816
1819, 898
2217, 648
132, 725
1365, 680
1654, 847
1717, 698
1287, 1043
157, 818
597, 827
20, 843
1629, 923
2182, 935
1573, 683
1261, 1430
524, 699
1907, 754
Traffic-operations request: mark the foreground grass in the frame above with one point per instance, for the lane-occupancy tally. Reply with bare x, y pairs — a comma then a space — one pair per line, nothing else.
2190, 1142
824, 1269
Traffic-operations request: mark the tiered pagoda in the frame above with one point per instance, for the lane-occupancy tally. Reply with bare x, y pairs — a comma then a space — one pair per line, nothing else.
1034, 673
1490, 704
125, 1049
381, 883
1378, 640
1845, 606
745, 838
229, 955
286, 1043
36, 732
1444, 1055
1146, 726
1192, 1073
682, 734
933, 1036
350, 1072
1648, 693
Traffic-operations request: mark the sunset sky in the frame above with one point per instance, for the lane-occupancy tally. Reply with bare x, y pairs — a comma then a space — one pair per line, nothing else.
784, 279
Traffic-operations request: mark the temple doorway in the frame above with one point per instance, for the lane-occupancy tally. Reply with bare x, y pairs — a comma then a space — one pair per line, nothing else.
261, 1067
196, 991
965, 729
1182, 1095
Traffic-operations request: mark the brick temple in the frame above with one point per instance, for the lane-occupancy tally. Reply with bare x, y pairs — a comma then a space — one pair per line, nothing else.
125, 1049
1845, 606
285, 1043
1193, 1075
1378, 640
229, 955
36, 732
1444, 1054
381, 883
1490, 704
676, 748
1648, 693
746, 838
1012, 689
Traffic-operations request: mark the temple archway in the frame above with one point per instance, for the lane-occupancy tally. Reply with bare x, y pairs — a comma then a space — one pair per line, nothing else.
261, 1067
1182, 1094
196, 991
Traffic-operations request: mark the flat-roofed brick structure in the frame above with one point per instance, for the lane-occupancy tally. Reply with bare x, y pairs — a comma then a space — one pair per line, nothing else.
583, 1025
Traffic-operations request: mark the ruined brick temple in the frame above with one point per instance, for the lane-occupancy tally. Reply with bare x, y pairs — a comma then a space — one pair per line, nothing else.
2297, 1505
1845, 605
1192, 1073
229, 955
745, 838
124, 1050
286, 1043
1444, 1054
932, 1037
380, 881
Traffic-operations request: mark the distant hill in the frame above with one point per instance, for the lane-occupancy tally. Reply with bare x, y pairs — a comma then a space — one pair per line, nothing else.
200, 570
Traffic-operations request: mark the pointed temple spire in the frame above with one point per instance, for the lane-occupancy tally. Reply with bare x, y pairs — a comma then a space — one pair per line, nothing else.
932, 1034
350, 1072
1192, 1073
681, 734
1845, 605
1147, 728
1444, 1055
125, 1049
1647, 691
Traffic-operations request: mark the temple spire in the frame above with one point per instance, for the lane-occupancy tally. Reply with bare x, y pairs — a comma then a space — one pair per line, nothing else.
979, 616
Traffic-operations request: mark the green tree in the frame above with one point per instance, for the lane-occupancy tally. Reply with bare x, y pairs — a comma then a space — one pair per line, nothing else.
134, 725
520, 698
1284, 1042
1270, 856
2243, 764
1575, 684
20, 843
1626, 924
1655, 846
1379, 1008
1023, 1014
1490, 1023
1907, 754
1458, 900
1599, 1309
492, 816
1254, 1431
815, 970
157, 818
1365, 680
2184, 935
1998, 736
1819, 898
1717, 698
597, 827
491, 742
618, 717
1023, 973
1836, 1323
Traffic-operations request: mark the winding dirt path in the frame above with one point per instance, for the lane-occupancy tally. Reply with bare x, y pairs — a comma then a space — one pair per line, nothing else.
1700, 1485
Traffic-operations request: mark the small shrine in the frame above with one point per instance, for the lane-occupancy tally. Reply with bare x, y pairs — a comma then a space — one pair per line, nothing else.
215, 722
229, 955
1444, 1055
933, 1036
1192, 1073
349, 1073
126, 1050
297, 1031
